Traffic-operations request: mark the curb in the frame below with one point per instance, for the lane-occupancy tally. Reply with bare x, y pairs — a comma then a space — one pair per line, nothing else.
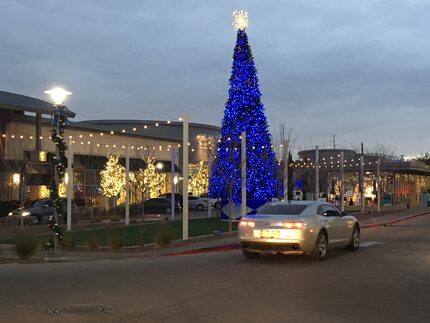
388, 223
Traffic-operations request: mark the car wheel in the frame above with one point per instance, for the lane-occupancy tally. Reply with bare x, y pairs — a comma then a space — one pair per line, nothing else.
320, 249
168, 210
199, 207
355, 239
34, 219
250, 254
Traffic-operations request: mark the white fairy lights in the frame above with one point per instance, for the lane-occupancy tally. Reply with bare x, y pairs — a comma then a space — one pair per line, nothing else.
240, 19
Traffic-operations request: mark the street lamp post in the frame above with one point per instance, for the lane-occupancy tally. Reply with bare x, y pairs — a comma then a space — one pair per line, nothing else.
185, 176
58, 96
16, 179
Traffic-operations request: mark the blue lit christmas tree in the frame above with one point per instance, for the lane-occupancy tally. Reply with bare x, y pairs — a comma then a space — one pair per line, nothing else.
244, 112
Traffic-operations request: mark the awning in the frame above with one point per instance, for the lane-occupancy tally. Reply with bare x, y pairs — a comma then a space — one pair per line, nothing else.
89, 162
135, 164
38, 179
166, 166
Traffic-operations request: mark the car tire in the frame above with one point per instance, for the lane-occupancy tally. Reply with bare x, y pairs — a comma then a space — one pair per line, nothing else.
320, 250
168, 210
355, 239
34, 220
200, 207
250, 254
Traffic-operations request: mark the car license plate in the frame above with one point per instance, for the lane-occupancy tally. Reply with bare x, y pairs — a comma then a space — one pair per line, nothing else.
270, 234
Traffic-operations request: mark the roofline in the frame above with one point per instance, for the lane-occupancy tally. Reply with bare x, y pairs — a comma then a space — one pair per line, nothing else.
19, 102
125, 121
71, 125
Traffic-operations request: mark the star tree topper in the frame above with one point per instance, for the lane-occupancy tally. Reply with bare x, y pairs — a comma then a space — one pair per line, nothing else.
240, 20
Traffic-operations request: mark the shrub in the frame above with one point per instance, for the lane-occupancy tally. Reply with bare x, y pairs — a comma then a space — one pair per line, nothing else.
116, 242
77, 213
25, 247
93, 243
163, 236
141, 238
95, 211
117, 210
115, 217
68, 243
134, 209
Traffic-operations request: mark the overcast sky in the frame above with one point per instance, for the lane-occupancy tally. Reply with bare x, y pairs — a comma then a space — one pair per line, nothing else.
357, 69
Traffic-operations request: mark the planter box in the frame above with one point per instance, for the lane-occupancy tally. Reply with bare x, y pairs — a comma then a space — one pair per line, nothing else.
252, 206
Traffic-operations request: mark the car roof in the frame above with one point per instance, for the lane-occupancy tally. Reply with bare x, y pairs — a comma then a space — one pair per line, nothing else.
306, 202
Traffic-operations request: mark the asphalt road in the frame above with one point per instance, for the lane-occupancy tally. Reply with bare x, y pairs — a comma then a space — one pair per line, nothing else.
387, 280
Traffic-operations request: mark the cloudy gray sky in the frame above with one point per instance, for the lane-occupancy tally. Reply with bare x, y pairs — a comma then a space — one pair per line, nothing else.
357, 69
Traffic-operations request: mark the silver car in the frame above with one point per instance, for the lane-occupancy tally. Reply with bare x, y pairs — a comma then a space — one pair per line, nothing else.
298, 227
197, 203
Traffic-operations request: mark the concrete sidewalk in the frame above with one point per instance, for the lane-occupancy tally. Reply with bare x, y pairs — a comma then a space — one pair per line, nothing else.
206, 243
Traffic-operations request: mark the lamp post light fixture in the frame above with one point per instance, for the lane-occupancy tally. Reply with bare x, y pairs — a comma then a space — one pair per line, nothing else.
58, 95
16, 178
159, 166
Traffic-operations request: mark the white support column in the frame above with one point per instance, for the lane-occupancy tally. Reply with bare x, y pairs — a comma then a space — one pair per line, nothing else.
342, 189
185, 176
243, 173
317, 173
362, 183
127, 186
378, 183
69, 185
172, 197
209, 175
285, 174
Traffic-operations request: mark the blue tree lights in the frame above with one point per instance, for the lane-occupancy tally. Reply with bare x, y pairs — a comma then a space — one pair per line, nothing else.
244, 112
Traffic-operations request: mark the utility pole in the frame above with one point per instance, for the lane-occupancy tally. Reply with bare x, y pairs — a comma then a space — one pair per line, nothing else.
334, 142
243, 173
317, 173
378, 180
342, 185
361, 181
285, 159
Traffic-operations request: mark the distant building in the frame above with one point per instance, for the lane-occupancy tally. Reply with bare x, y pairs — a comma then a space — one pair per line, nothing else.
401, 181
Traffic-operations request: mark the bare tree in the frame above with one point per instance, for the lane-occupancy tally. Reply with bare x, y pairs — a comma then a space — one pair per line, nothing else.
284, 145
383, 152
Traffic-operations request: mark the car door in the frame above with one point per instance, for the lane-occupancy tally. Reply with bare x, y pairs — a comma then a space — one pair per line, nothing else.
327, 219
338, 223
47, 208
149, 206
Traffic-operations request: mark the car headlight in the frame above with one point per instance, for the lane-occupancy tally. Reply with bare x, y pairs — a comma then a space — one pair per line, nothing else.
10, 213
25, 213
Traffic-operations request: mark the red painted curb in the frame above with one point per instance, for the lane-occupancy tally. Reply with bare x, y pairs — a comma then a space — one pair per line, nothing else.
205, 250
383, 224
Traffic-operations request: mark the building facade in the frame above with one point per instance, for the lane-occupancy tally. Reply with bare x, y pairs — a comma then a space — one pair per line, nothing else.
401, 181
25, 145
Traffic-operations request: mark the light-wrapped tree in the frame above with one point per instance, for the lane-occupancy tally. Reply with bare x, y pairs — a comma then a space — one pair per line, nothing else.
112, 178
149, 181
199, 180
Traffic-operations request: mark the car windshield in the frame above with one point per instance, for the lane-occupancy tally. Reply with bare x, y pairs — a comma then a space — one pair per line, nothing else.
38, 203
293, 209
